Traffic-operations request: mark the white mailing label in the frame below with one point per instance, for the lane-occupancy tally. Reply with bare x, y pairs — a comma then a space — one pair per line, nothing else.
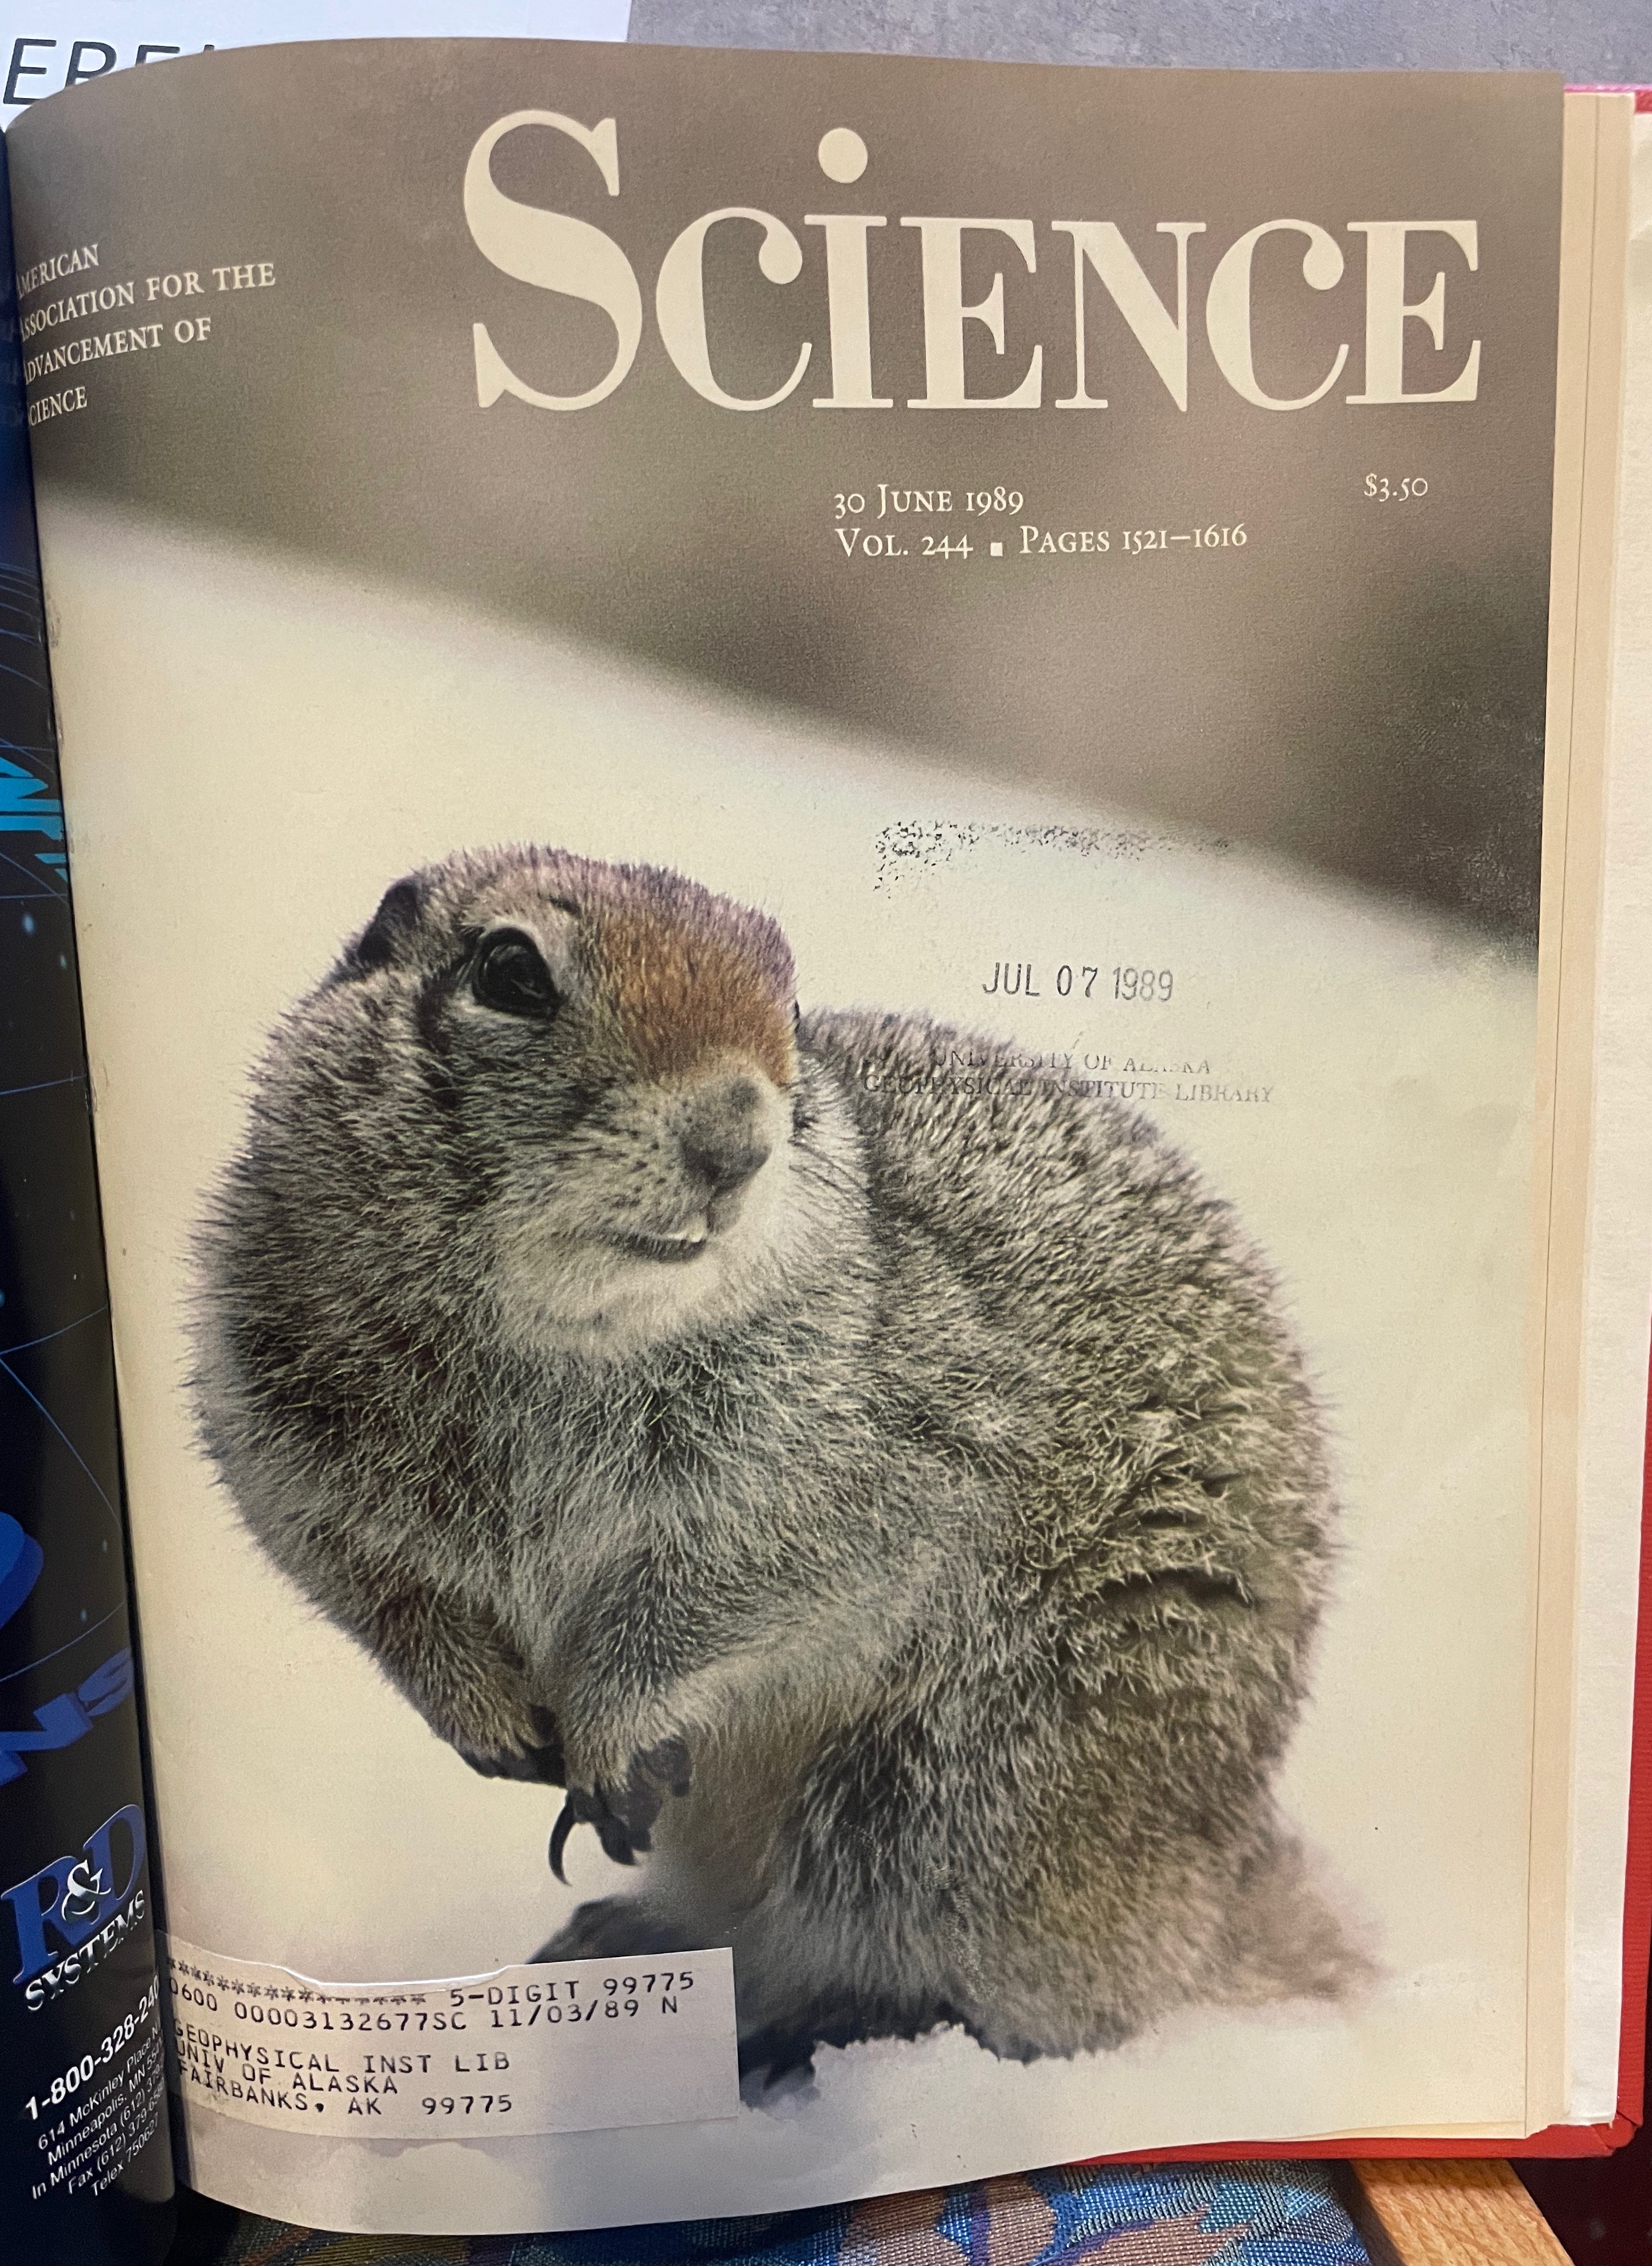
577, 2047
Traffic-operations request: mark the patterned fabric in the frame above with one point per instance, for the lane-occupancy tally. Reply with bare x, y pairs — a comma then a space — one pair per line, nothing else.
1113, 2215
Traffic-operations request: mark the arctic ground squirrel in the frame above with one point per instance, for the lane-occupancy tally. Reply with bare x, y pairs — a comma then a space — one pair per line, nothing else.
873, 1478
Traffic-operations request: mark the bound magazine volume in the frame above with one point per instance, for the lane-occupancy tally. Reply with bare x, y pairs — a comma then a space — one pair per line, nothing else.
857, 855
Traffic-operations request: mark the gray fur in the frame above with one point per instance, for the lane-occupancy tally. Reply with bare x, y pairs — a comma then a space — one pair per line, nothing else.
953, 1525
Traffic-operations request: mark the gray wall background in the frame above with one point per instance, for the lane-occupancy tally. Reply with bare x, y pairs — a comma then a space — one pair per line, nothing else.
1591, 40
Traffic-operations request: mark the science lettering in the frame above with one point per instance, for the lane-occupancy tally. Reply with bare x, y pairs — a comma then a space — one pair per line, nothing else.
557, 251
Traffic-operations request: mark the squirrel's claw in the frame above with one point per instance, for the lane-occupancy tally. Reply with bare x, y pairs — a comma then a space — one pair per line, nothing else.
542, 1764
623, 1817
621, 1841
559, 1832
621, 1836
586, 1807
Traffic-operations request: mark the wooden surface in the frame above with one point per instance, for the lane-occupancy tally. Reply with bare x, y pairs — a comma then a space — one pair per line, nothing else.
1459, 2212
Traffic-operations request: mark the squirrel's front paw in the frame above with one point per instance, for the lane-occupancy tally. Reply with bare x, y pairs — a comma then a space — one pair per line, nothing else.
535, 1755
624, 1814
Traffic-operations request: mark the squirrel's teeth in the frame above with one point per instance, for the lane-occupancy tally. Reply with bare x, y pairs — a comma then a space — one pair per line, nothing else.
678, 1243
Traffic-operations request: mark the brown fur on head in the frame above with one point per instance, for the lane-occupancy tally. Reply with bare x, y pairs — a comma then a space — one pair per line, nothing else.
682, 972
690, 976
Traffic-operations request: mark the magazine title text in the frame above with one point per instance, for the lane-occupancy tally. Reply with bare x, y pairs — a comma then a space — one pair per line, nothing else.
559, 251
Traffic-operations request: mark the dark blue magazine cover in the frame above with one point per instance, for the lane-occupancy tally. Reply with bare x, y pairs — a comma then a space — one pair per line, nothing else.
84, 2169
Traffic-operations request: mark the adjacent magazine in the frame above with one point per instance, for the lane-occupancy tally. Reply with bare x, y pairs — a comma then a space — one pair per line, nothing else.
84, 2161
65, 43
854, 878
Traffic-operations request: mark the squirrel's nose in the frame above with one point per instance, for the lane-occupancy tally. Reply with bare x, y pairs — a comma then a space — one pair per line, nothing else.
721, 1142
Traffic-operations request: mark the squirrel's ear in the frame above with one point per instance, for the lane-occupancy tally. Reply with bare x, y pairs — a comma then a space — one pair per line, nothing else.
390, 928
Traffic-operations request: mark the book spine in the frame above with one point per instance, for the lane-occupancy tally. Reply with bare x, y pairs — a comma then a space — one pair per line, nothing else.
85, 2176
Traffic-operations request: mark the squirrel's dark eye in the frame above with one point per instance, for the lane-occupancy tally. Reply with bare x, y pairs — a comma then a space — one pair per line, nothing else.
511, 977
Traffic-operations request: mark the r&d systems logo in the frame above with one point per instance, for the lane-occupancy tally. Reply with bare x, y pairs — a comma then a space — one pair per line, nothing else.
85, 1901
